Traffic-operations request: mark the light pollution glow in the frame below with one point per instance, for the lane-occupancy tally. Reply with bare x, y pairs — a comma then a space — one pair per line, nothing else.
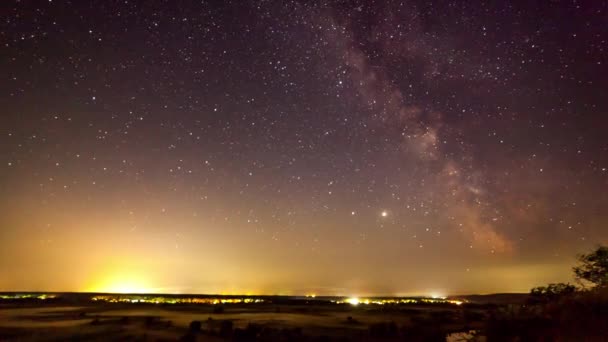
387, 149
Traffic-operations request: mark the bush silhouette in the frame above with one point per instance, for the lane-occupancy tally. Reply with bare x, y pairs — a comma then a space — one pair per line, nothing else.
195, 326
226, 328
551, 292
351, 320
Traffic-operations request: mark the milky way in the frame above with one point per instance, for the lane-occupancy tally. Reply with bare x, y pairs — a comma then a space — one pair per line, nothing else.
355, 148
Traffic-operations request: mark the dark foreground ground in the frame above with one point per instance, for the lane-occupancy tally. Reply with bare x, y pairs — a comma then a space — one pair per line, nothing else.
298, 320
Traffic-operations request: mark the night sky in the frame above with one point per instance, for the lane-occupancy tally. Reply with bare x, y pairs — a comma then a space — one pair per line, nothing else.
299, 147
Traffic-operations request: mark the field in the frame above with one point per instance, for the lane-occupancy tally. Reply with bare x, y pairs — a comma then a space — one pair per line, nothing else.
274, 319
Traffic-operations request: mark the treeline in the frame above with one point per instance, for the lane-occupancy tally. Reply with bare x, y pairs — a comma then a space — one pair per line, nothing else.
561, 311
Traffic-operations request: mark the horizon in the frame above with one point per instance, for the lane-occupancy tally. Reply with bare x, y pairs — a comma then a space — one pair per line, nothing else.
300, 296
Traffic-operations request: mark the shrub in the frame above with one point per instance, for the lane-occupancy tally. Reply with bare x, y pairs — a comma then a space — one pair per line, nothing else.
226, 328
195, 326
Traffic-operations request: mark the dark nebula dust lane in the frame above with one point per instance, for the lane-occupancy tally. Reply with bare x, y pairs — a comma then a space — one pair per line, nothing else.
270, 147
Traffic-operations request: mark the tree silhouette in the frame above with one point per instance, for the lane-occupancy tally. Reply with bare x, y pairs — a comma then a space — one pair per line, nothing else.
593, 267
551, 292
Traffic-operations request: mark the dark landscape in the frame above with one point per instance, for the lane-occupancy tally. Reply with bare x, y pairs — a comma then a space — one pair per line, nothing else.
552, 313
79, 316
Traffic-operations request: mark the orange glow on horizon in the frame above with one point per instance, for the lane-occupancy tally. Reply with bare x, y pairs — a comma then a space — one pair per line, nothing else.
121, 282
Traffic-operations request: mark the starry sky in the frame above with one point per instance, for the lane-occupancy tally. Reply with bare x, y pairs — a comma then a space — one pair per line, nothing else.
297, 147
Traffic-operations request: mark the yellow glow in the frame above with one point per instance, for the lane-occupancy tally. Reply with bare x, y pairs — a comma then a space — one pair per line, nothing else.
437, 296
121, 283
353, 301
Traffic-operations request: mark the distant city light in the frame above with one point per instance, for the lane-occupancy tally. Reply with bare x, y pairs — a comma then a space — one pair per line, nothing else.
207, 300
396, 301
353, 301
160, 299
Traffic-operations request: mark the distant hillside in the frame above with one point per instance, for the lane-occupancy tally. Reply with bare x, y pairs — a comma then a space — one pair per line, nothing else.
497, 298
